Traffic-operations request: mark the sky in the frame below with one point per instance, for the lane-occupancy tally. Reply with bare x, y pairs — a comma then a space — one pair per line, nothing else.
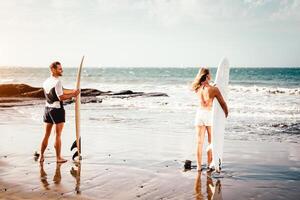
150, 33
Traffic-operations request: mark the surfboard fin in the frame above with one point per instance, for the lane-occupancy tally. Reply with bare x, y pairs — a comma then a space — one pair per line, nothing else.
75, 155
74, 145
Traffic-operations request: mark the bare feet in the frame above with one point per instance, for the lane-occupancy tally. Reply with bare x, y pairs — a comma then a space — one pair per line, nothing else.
210, 167
61, 160
199, 169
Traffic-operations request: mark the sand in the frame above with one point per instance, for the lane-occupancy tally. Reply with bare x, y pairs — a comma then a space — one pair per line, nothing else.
120, 163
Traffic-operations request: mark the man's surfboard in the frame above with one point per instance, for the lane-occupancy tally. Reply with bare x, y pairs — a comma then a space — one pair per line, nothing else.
218, 122
77, 142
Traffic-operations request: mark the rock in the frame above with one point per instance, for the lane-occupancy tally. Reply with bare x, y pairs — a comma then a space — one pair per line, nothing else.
22, 94
91, 92
122, 92
84, 100
36, 156
23, 90
155, 94
188, 164
18, 90
35, 94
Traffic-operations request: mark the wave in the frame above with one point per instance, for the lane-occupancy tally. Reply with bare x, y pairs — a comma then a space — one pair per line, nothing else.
293, 128
263, 89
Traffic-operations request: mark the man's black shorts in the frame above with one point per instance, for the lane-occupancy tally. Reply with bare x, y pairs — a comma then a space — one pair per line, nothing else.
54, 115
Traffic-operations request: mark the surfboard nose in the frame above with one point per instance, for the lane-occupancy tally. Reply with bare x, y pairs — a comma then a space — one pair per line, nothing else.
224, 61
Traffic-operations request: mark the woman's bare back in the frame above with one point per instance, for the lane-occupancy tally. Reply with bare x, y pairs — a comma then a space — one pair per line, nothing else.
207, 93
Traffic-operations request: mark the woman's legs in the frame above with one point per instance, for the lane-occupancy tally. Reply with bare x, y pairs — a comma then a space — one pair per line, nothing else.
200, 140
209, 150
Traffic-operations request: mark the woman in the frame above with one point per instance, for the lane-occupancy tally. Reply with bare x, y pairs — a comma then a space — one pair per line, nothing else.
206, 94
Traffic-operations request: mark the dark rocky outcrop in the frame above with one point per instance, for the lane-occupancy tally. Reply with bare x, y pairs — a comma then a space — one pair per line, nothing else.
20, 90
22, 94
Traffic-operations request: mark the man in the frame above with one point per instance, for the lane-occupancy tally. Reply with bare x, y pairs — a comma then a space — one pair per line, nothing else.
54, 110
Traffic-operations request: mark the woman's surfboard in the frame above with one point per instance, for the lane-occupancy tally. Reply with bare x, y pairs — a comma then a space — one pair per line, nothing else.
77, 142
218, 122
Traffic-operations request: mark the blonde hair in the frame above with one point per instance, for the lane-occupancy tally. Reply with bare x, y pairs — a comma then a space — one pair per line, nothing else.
200, 78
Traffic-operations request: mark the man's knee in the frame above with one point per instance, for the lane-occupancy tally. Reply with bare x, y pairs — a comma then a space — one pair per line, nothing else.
59, 127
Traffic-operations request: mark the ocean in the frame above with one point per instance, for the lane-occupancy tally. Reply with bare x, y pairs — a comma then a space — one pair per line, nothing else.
264, 103
137, 146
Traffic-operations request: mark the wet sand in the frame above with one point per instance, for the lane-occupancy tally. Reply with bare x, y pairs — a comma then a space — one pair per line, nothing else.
120, 163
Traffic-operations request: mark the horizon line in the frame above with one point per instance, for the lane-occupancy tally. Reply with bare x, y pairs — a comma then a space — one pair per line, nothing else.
177, 67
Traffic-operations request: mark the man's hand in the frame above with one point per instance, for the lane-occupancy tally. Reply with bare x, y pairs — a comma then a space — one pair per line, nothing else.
69, 94
76, 92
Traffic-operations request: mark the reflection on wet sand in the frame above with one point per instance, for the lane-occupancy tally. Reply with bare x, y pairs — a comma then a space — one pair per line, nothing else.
197, 187
75, 172
56, 177
214, 192
43, 177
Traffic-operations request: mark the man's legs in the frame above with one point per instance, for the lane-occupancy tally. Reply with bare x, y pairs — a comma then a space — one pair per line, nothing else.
57, 145
44, 144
